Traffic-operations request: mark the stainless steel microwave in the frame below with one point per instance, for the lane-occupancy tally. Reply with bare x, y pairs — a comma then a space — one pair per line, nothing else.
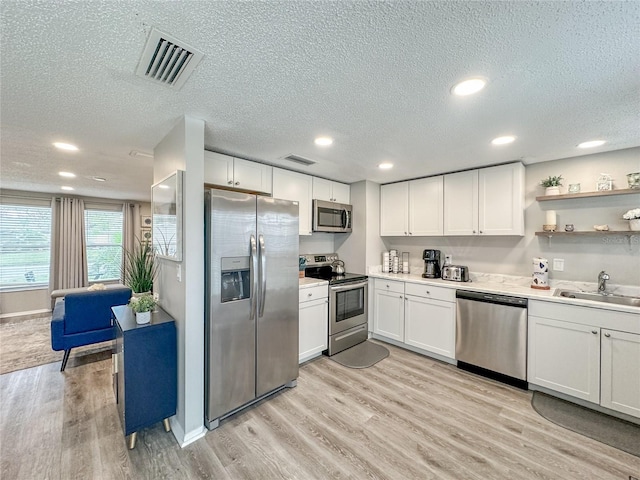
331, 217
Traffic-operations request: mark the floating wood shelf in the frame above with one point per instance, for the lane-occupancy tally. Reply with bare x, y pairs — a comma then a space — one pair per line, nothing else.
603, 193
593, 233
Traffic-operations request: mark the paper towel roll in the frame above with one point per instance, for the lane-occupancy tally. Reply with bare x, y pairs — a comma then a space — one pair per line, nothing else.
540, 277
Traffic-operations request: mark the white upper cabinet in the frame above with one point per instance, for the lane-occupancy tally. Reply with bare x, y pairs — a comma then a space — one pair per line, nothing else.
331, 191
501, 200
295, 186
461, 203
488, 201
233, 172
425, 206
412, 208
394, 209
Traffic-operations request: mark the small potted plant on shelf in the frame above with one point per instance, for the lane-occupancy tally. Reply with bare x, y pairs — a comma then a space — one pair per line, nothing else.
633, 216
552, 185
142, 306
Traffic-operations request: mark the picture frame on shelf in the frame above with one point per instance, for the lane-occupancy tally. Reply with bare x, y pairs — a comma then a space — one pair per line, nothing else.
604, 183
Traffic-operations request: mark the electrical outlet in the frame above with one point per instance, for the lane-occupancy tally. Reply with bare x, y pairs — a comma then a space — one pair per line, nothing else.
179, 272
448, 259
558, 264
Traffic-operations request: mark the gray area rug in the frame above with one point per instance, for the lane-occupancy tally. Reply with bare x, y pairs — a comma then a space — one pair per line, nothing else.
604, 428
26, 343
363, 355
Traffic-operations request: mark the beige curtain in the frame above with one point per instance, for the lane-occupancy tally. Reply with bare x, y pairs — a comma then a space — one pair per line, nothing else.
68, 244
130, 226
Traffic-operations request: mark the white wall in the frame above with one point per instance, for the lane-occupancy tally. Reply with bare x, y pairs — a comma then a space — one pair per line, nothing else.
584, 256
362, 247
183, 298
317, 243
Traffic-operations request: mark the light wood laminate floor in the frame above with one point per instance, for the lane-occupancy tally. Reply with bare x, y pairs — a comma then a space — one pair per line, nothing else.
408, 417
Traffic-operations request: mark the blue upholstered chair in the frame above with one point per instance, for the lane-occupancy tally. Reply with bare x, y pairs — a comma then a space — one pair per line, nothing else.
84, 318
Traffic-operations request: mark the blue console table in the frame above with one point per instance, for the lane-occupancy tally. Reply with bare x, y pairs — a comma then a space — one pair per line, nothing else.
145, 371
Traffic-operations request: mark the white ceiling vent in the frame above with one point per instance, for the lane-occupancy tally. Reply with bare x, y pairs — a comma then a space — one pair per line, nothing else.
166, 60
299, 160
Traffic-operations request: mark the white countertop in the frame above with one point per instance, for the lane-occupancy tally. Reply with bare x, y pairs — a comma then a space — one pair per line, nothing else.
506, 289
308, 282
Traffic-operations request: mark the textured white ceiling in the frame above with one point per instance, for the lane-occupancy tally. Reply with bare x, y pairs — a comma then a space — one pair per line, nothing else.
374, 75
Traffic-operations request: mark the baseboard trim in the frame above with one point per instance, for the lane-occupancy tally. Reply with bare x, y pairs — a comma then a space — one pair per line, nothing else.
183, 438
24, 315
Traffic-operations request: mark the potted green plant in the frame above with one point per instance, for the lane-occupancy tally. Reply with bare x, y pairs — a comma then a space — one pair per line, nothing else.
552, 185
139, 268
142, 306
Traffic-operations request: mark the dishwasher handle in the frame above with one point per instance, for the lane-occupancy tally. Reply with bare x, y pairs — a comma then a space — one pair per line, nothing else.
492, 298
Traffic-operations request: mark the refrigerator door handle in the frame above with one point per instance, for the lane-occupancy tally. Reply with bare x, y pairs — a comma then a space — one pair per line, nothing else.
263, 275
254, 277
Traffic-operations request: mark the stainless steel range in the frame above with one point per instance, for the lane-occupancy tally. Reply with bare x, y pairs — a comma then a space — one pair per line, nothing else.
347, 301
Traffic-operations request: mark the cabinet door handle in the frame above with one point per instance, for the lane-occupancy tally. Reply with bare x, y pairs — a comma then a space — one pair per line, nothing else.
428, 292
607, 335
405, 233
237, 183
230, 182
474, 231
309, 294
594, 332
480, 231
400, 296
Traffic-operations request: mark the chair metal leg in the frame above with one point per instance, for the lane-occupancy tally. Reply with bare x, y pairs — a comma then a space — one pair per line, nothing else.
65, 359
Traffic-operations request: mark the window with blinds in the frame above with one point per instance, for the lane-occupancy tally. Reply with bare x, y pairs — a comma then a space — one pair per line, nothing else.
25, 245
103, 231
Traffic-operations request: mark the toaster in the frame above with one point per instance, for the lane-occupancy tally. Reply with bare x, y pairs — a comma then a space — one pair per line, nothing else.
455, 273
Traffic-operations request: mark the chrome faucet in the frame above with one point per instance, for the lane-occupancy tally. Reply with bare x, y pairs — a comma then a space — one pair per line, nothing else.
602, 282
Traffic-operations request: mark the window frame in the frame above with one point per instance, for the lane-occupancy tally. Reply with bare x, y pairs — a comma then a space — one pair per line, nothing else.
105, 207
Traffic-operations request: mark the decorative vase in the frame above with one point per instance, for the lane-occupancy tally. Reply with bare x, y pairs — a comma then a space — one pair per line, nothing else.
552, 191
634, 224
143, 317
140, 294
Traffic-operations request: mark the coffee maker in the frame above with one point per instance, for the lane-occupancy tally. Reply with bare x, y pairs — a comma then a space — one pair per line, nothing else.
431, 263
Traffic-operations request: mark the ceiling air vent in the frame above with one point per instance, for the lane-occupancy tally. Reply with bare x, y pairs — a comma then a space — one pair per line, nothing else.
166, 60
299, 160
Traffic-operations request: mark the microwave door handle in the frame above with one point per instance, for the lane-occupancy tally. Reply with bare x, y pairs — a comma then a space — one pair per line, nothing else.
254, 276
263, 275
344, 218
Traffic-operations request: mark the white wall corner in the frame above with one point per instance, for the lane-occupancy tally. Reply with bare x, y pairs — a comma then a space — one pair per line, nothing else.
183, 438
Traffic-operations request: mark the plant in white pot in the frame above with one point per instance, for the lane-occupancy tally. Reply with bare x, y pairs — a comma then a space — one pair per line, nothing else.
633, 216
552, 185
142, 306
139, 268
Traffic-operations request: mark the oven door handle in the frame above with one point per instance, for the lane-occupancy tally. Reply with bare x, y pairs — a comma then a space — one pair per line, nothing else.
348, 286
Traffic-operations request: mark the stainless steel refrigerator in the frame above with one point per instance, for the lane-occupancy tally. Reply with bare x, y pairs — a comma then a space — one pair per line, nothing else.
252, 299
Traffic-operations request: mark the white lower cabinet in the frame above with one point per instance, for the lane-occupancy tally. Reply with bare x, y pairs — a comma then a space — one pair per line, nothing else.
388, 314
313, 322
620, 372
583, 352
565, 357
430, 325
417, 315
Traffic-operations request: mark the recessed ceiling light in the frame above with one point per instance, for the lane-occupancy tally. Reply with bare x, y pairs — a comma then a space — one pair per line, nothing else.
469, 87
65, 146
139, 153
591, 144
67, 174
323, 141
385, 166
65, 187
99, 179
164, 186
503, 140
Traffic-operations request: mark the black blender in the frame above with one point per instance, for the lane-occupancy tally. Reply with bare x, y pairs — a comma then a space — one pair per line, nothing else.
431, 263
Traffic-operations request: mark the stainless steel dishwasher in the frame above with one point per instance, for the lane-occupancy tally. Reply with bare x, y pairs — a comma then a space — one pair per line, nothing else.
491, 336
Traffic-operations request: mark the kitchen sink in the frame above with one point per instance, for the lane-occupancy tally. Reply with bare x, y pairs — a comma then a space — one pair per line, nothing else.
598, 297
